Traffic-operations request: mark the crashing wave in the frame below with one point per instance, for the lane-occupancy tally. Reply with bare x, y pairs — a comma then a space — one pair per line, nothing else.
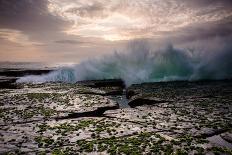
140, 64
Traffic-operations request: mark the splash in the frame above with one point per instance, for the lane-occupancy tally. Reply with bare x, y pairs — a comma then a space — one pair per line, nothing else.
140, 64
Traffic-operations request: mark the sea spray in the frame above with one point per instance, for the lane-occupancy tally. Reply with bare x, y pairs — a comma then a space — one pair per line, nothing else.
139, 63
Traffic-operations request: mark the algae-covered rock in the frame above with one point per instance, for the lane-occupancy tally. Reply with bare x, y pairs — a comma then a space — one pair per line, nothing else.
84, 118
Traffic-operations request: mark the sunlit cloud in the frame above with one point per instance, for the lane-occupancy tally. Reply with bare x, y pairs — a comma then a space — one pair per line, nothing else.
16, 37
125, 20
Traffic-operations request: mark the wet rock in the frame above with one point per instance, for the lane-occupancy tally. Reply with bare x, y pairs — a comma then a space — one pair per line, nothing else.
103, 87
219, 142
207, 132
132, 91
104, 91
103, 83
227, 136
98, 112
145, 101
22, 72
8, 84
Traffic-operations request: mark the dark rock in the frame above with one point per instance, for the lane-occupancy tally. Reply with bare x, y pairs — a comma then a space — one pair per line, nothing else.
130, 93
180, 87
22, 72
227, 137
209, 132
112, 91
8, 84
145, 101
133, 90
9, 76
103, 83
95, 113
103, 87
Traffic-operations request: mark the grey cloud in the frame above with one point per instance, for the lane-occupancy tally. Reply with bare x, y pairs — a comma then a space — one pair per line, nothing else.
32, 18
94, 10
220, 30
75, 42
208, 30
28, 15
204, 3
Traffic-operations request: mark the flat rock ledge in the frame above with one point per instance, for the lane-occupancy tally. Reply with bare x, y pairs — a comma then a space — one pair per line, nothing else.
83, 118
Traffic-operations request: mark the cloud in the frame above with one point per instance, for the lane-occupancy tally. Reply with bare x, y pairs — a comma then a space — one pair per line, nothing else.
15, 36
92, 10
111, 20
81, 28
205, 3
28, 15
206, 31
69, 42
126, 20
32, 19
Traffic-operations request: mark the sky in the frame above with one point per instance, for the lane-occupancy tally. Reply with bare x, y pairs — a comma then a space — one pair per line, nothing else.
74, 30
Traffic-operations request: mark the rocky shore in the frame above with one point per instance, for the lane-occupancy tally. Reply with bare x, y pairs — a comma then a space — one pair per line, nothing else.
104, 117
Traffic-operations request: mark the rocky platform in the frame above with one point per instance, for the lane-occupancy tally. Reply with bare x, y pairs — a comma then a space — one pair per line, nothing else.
93, 117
